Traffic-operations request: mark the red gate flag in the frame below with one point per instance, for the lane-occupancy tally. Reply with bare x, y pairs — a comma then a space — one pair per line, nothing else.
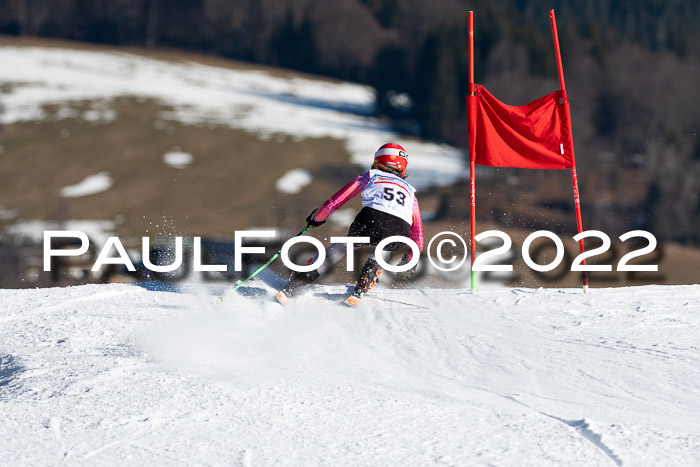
532, 136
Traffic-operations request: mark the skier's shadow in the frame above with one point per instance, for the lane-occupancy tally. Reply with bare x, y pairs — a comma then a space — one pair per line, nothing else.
252, 291
336, 296
158, 286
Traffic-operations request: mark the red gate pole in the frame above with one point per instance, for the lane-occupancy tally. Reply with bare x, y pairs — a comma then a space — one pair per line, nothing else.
574, 178
472, 149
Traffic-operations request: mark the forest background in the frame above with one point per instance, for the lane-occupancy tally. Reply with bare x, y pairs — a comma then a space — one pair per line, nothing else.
631, 67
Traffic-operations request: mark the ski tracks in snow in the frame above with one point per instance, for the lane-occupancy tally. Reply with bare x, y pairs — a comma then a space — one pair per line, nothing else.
114, 374
570, 354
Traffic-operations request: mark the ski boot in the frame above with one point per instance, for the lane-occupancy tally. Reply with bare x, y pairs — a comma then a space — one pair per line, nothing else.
368, 278
297, 281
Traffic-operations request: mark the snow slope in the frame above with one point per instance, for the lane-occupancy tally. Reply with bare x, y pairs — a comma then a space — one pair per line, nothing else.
116, 374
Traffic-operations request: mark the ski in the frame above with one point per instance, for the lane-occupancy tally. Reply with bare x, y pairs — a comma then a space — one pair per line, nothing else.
352, 301
281, 298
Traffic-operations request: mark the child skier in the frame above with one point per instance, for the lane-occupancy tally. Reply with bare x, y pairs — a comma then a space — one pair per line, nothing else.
390, 208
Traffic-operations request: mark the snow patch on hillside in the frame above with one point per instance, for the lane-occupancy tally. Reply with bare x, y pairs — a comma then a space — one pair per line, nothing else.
178, 159
7, 214
256, 101
97, 231
91, 185
294, 181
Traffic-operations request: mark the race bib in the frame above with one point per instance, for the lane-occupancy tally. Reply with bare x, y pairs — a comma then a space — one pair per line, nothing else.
389, 193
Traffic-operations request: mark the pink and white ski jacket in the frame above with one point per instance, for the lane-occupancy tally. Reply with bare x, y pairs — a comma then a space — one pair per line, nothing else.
355, 188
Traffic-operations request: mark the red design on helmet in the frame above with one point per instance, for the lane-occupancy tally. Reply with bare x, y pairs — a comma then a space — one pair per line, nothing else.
393, 155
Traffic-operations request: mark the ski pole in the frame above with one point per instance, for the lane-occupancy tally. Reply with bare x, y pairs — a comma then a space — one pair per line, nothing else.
269, 261
435, 302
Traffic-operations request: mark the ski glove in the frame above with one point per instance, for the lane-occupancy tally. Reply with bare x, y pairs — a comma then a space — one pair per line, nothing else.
311, 221
406, 275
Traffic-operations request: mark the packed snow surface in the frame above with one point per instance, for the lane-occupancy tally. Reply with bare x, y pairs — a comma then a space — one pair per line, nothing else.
156, 374
90, 185
266, 104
